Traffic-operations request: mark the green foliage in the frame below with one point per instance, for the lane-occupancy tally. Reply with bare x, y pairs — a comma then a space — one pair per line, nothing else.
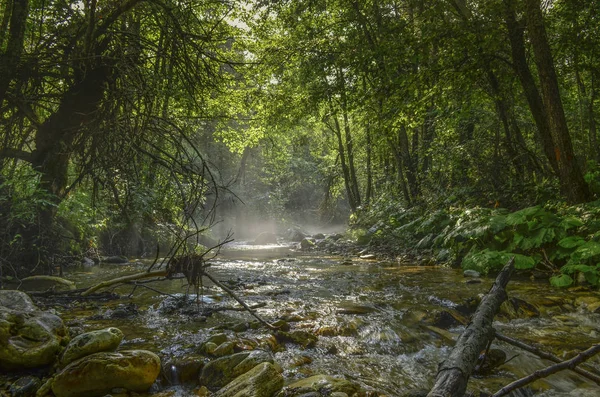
487, 260
566, 239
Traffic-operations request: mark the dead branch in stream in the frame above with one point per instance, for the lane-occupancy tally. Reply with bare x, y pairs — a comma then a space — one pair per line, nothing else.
591, 374
193, 266
543, 373
454, 372
125, 279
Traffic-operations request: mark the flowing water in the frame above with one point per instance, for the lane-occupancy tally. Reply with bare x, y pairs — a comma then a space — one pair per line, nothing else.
370, 317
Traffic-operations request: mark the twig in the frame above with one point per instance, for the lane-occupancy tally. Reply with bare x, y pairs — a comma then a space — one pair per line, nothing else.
543, 373
548, 356
235, 309
241, 302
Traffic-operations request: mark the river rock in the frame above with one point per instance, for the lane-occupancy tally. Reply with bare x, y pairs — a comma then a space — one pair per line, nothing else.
17, 300
471, 273
26, 386
518, 308
99, 373
261, 381
221, 371
323, 384
265, 238
43, 283
182, 370
294, 234
299, 337
102, 340
307, 243
29, 339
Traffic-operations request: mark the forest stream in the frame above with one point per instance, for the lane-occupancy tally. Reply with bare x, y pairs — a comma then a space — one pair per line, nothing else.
378, 324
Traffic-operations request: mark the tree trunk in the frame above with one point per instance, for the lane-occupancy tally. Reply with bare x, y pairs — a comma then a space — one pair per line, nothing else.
348, 138
534, 100
342, 152
571, 179
9, 61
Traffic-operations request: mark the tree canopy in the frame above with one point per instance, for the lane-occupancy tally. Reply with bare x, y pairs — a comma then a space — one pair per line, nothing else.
119, 117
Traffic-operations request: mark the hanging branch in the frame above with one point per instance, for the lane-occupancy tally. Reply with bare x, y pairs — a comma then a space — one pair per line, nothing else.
548, 356
543, 373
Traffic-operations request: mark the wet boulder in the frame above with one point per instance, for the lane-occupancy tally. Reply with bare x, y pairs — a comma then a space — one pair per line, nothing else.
26, 386
324, 385
264, 380
102, 340
265, 238
221, 371
295, 234
99, 373
17, 300
307, 243
299, 337
29, 339
514, 308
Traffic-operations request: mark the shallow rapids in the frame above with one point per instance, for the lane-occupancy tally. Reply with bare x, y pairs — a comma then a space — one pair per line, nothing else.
371, 318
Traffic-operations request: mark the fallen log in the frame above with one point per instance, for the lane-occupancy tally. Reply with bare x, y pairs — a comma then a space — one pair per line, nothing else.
454, 372
548, 356
124, 279
543, 373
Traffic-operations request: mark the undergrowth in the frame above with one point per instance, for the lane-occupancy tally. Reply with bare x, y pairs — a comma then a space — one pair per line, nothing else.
560, 241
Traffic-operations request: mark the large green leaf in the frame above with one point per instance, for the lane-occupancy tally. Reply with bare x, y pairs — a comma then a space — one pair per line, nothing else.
524, 262
571, 242
586, 251
536, 239
562, 280
523, 215
570, 222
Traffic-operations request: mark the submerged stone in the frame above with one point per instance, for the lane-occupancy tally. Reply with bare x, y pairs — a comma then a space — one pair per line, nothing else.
102, 340
322, 384
99, 373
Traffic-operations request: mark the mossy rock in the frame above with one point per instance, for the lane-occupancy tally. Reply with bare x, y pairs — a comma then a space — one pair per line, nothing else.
264, 380
223, 370
29, 340
43, 283
102, 340
97, 374
302, 338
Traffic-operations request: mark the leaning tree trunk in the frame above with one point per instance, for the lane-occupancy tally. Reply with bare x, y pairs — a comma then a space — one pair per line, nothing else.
454, 372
